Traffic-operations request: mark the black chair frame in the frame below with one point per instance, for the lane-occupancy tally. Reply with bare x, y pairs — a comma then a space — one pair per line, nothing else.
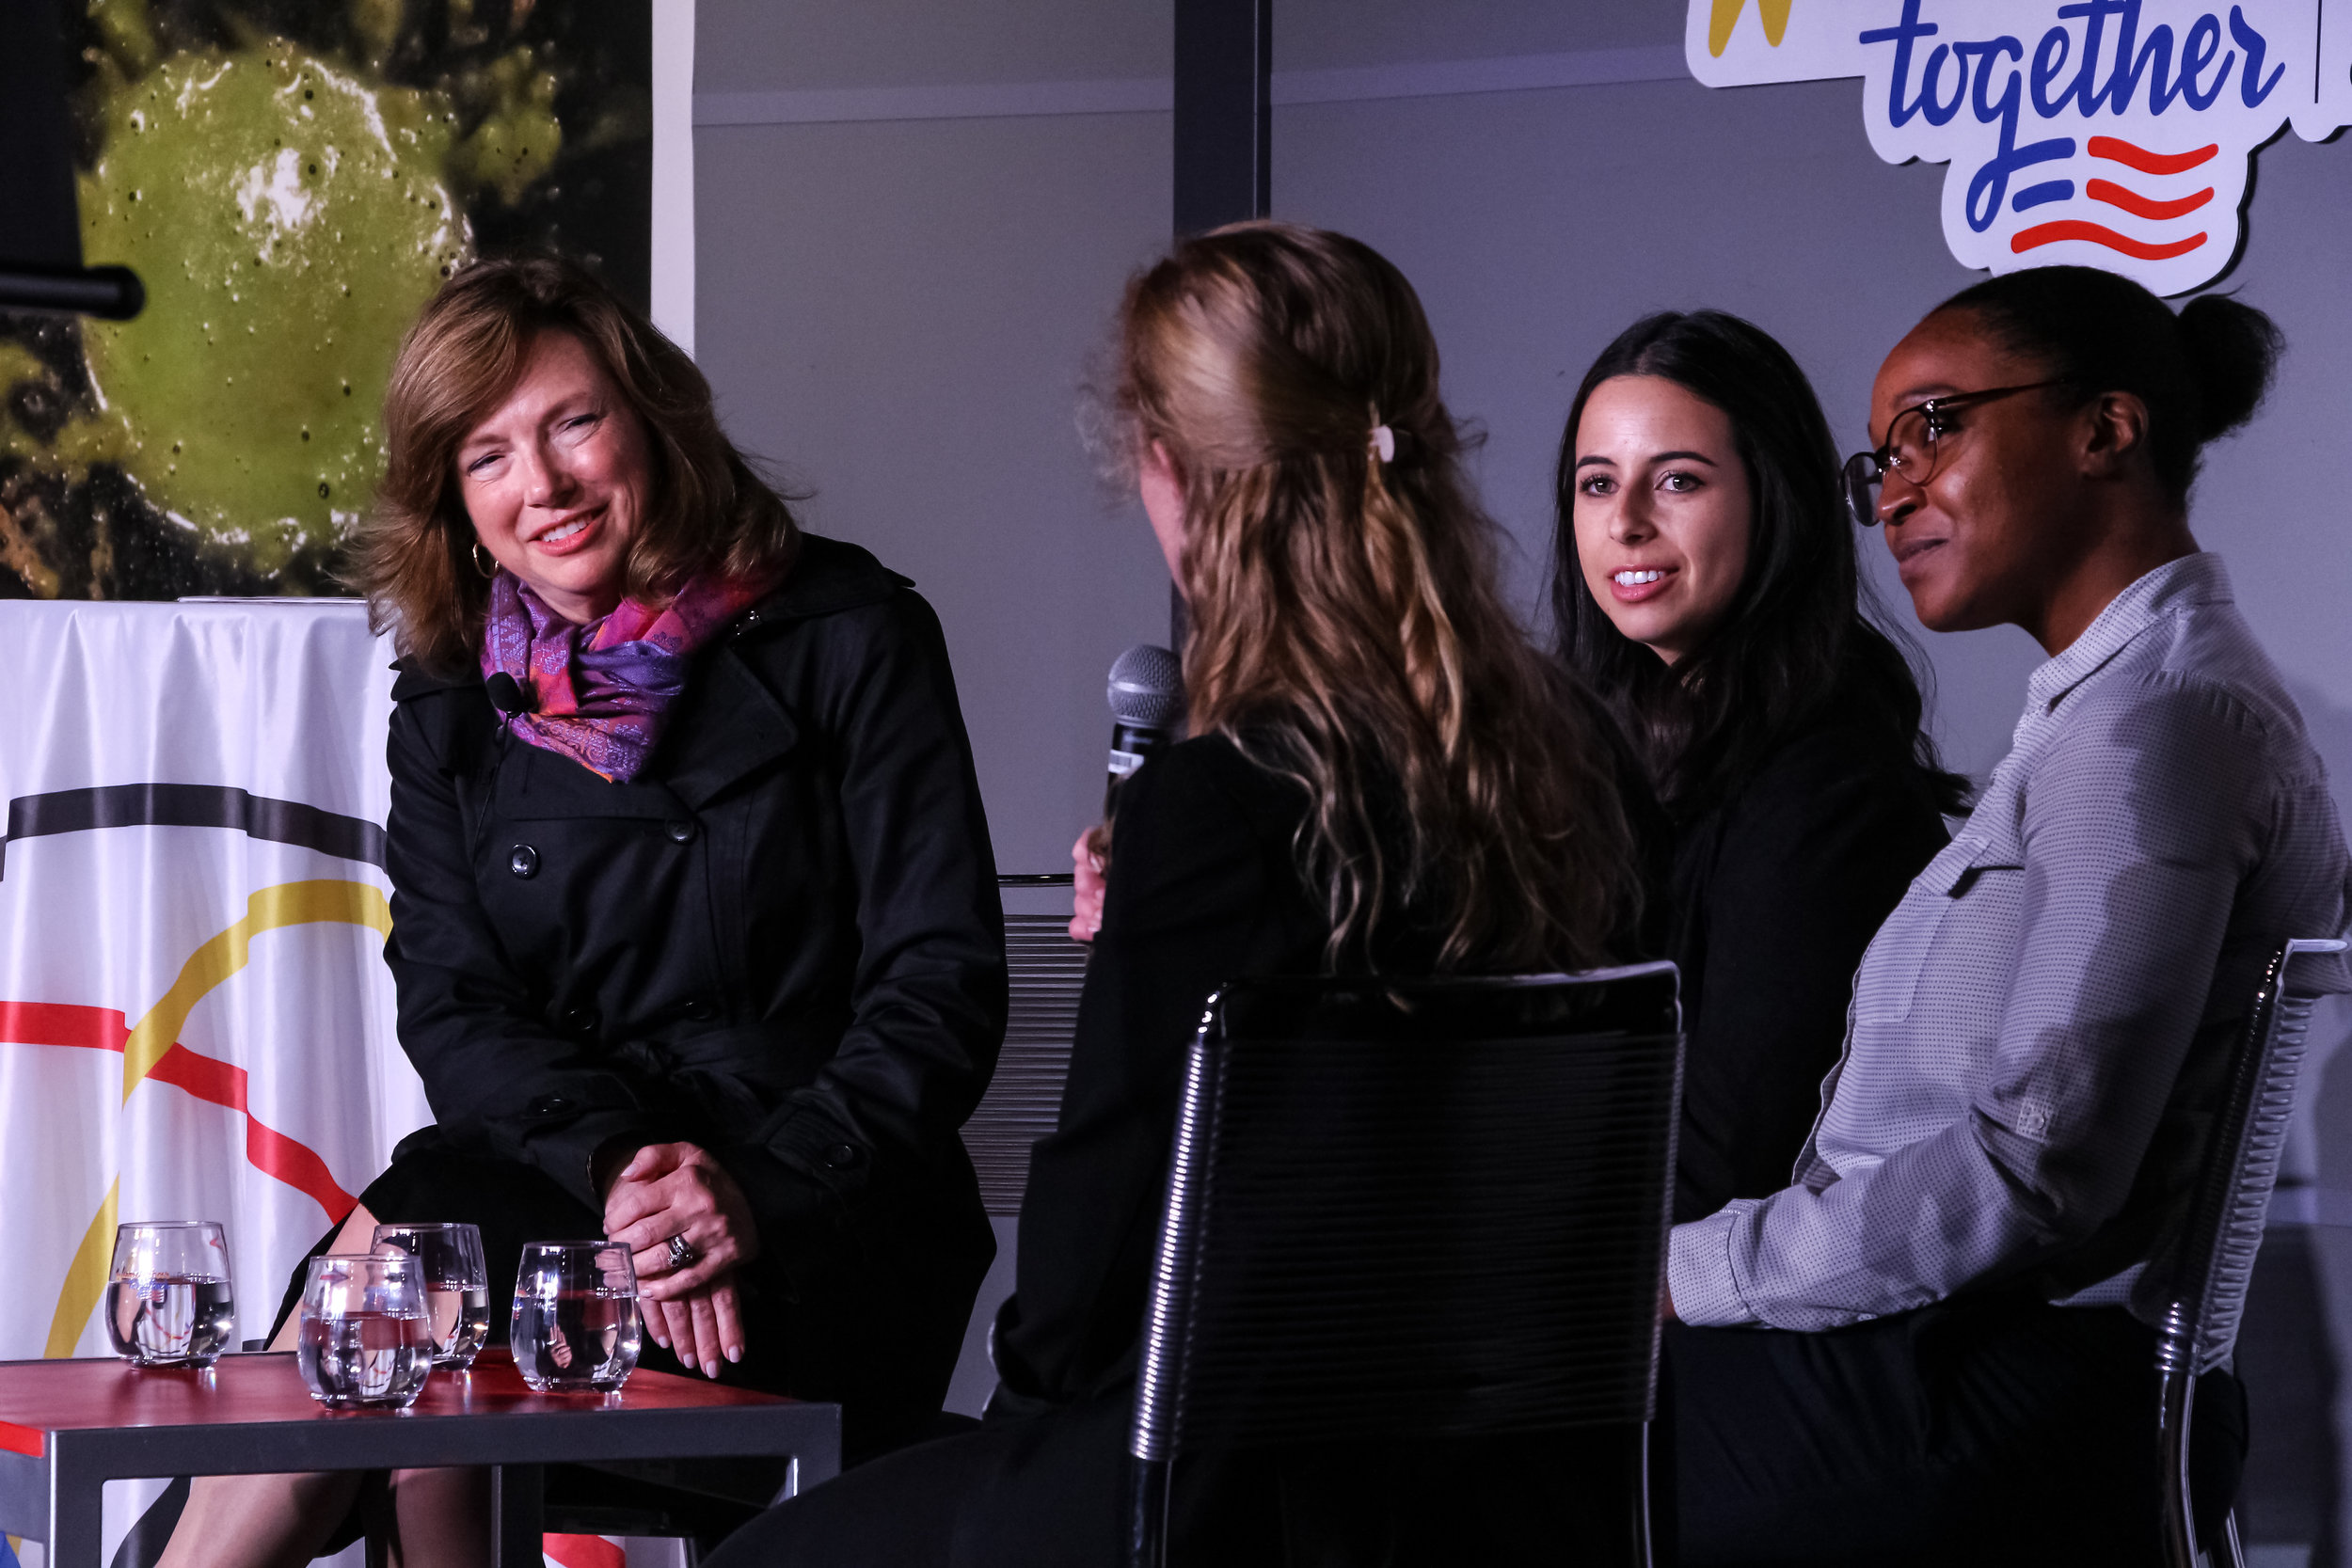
2224, 1228
1412, 1210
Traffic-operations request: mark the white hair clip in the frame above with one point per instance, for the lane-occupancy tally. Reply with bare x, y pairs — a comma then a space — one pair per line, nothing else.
1383, 442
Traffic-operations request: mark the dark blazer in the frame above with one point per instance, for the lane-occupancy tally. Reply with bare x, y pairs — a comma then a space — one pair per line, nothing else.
1204, 888
1773, 893
781, 941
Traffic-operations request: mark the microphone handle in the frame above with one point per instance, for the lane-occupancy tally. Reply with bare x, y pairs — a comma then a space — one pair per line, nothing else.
1130, 745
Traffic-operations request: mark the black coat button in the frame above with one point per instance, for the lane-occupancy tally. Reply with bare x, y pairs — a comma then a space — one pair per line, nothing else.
841, 1156
524, 860
681, 830
700, 1012
580, 1021
550, 1105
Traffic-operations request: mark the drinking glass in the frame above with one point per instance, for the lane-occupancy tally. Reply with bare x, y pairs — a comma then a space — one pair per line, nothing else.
456, 1285
575, 1324
167, 1297
364, 1338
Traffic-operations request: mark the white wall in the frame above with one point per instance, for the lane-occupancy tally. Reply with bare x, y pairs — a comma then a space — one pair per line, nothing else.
898, 314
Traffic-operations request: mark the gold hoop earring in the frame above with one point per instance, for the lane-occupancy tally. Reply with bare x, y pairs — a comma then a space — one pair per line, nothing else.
482, 561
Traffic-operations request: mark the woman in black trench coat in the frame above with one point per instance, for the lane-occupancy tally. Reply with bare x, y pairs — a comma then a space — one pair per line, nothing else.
695, 926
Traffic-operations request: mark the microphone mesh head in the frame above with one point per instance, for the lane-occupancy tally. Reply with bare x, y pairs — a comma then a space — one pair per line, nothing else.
1147, 686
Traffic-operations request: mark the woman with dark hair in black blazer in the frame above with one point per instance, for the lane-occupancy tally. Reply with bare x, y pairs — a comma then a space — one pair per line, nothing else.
1706, 588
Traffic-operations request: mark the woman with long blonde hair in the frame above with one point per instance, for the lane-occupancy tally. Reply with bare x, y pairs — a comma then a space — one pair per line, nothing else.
1381, 775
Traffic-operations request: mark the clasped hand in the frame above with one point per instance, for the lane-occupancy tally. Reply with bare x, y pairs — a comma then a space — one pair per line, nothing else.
678, 1190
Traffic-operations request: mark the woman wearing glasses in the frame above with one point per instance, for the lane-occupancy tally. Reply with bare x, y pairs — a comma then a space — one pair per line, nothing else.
1706, 588
1935, 1345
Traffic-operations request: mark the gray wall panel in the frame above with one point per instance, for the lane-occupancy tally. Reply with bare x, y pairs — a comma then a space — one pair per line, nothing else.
898, 315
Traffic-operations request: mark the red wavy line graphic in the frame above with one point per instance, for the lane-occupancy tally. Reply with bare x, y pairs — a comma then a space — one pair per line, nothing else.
2115, 149
2099, 233
215, 1082
582, 1551
2140, 206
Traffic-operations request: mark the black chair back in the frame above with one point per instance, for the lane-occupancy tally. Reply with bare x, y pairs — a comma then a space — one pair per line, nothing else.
2227, 1211
1411, 1209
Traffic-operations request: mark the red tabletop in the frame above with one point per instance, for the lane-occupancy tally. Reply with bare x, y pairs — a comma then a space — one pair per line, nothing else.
41, 1397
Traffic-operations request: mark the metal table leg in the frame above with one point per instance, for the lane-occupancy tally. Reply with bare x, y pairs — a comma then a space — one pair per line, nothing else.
77, 1513
516, 1516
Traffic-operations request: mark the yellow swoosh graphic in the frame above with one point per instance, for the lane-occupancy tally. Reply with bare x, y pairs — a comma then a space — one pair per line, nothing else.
86, 1280
287, 903
269, 909
1726, 16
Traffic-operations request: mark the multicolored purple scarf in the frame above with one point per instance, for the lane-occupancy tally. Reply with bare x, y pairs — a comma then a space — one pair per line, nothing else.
601, 694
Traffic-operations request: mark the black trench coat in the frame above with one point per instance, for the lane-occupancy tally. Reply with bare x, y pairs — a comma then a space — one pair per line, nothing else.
782, 941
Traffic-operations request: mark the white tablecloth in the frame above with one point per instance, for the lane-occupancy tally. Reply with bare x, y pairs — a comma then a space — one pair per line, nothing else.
195, 1017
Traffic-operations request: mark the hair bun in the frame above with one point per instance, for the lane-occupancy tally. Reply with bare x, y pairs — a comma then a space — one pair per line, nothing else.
2232, 351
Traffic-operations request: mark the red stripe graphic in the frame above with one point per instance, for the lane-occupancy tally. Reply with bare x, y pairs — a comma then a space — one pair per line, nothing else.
62, 1023
209, 1079
582, 1551
2140, 206
2115, 149
2099, 233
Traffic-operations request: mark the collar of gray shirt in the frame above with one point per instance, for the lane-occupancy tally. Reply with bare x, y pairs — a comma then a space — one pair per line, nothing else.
2193, 579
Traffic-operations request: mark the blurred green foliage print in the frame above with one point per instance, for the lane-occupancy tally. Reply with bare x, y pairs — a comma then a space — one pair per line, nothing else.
291, 180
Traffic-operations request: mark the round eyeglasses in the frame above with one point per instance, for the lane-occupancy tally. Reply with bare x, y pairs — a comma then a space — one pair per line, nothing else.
1911, 448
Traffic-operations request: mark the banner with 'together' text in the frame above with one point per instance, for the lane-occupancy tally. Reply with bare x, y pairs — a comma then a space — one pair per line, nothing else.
2115, 133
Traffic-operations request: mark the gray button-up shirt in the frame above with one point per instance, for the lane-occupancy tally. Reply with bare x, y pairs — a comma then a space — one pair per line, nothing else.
2040, 1030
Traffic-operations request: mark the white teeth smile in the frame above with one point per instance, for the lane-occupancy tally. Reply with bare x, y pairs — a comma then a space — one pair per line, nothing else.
1634, 579
553, 534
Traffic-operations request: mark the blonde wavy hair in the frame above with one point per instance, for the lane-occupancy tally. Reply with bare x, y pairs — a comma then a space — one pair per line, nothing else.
1345, 627
411, 556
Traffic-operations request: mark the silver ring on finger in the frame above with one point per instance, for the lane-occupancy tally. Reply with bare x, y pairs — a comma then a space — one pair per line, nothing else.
682, 1253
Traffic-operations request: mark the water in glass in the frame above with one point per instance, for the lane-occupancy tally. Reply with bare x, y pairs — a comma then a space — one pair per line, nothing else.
456, 1284
168, 1320
575, 1324
461, 1324
168, 1301
364, 1338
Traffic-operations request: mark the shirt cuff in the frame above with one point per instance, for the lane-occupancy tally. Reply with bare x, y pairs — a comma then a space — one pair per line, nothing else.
1698, 1272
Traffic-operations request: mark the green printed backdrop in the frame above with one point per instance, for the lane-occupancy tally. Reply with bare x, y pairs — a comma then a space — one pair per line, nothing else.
292, 179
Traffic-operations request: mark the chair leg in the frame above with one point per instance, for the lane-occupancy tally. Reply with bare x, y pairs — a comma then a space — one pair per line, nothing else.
2176, 1405
1147, 1518
1645, 1553
2231, 1553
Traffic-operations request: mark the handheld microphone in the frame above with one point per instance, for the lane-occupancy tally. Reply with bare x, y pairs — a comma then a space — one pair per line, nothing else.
1147, 698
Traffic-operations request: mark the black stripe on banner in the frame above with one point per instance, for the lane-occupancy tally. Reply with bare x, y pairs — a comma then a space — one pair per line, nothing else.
172, 805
